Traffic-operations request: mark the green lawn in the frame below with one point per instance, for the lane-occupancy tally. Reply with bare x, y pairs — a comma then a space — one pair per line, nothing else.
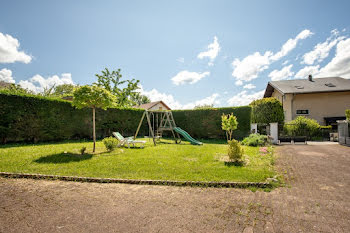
166, 161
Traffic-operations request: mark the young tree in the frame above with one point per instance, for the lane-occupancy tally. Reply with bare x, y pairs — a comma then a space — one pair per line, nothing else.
229, 124
93, 97
347, 113
111, 81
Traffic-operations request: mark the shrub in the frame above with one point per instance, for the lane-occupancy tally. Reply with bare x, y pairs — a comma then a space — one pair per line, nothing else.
302, 126
255, 140
347, 113
267, 110
110, 143
235, 151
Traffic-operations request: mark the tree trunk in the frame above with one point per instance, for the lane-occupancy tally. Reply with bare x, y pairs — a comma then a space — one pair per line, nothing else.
93, 129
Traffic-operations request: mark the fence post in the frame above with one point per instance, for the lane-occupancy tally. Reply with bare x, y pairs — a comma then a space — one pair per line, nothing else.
253, 128
343, 132
274, 132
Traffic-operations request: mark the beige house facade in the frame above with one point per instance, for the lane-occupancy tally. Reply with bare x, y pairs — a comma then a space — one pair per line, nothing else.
322, 99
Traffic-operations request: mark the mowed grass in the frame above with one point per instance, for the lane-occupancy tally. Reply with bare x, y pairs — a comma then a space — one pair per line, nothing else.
166, 161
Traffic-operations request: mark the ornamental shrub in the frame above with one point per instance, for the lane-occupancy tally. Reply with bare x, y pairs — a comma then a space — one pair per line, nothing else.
235, 152
302, 126
229, 124
255, 140
347, 113
267, 110
110, 143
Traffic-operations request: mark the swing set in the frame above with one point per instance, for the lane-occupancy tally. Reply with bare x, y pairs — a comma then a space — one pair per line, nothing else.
158, 122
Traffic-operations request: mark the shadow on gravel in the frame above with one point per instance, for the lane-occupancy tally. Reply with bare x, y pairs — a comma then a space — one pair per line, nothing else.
63, 158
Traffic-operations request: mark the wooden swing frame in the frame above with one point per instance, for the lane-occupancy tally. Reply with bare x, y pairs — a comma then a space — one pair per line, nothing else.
167, 123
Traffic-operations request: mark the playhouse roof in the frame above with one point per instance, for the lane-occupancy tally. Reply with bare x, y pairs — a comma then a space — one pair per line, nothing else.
150, 105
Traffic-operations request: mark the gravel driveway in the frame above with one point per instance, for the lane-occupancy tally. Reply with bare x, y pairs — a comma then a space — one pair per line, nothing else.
316, 199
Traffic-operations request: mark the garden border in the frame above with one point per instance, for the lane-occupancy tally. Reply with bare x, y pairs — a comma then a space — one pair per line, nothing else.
136, 181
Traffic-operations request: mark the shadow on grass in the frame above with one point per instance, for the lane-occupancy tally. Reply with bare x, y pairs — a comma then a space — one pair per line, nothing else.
235, 163
63, 158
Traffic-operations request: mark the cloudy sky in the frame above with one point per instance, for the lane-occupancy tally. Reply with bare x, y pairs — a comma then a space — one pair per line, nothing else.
185, 53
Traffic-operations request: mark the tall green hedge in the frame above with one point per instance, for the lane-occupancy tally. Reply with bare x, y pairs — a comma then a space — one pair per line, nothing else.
206, 123
25, 118
32, 119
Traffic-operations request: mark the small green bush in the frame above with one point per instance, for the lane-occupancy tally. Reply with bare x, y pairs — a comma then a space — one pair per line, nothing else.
235, 151
110, 143
303, 126
347, 113
255, 140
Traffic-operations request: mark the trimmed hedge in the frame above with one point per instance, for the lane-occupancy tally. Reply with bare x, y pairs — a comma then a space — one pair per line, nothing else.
31, 119
206, 123
27, 118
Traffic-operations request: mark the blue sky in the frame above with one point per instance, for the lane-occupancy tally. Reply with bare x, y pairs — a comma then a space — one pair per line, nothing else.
186, 53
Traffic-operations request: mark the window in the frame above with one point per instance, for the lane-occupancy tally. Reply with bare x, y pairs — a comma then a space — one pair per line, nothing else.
160, 108
302, 112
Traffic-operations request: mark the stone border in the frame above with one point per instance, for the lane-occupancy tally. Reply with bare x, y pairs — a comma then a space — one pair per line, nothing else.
143, 182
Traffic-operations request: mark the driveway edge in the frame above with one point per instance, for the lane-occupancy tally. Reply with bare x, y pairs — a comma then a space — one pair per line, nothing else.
134, 181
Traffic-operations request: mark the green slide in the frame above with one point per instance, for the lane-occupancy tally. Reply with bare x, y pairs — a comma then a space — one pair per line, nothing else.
187, 136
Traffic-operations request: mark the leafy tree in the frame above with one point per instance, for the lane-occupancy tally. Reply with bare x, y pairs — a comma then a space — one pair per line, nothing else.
138, 99
229, 124
93, 97
267, 110
347, 113
13, 88
204, 106
64, 90
112, 82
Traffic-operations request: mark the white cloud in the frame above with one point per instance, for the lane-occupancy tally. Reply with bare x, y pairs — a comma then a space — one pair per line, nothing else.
249, 67
181, 59
307, 70
9, 50
243, 98
291, 44
155, 95
239, 83
321, 50
38, 83
340, 64
185, 77
212, 52
282, 74
285, 62
249, 86
6, 76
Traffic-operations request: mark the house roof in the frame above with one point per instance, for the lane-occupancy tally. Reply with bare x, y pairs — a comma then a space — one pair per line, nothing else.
150, 105
299, 86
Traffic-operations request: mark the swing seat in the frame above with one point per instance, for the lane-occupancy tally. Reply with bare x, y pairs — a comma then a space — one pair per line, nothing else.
127, 141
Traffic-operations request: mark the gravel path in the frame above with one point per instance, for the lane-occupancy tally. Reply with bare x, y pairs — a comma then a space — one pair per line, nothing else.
316, 199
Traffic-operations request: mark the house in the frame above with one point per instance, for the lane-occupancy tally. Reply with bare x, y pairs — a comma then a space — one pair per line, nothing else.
322, 99
158, 105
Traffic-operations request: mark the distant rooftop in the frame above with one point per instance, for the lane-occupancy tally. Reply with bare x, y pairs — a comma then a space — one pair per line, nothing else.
330, 84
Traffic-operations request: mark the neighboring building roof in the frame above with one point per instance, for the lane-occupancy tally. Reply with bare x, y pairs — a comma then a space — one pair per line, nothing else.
4, 84
299, 86
150, 105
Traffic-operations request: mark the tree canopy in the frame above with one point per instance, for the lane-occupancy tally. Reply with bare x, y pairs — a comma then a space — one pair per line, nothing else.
229, 124
125, 91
